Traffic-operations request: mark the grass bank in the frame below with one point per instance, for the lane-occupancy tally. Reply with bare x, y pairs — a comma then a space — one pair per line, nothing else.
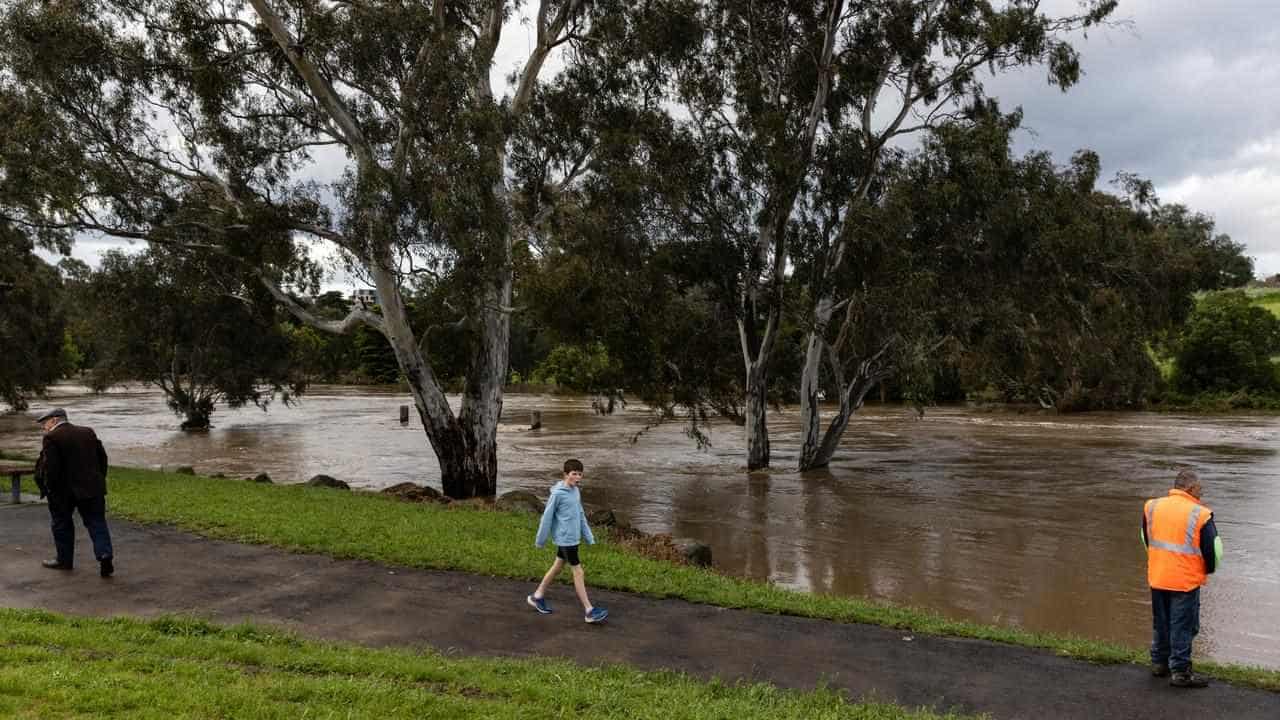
55, 666
1265, 297
379, 528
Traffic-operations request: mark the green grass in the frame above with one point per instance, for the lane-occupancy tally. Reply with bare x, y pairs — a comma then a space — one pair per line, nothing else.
53, 666
1265, 297
379, 528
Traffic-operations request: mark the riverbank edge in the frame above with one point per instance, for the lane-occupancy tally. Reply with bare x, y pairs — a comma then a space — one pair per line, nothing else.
457, 537
250, 671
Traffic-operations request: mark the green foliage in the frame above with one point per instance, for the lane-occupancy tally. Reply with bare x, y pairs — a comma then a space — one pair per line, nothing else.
1227, 345
582, 368
1265, 297
1219, 262
1219, 402
377, 360
321, 356
185, 325
78, 304
1079, 284
32, 320
71, 359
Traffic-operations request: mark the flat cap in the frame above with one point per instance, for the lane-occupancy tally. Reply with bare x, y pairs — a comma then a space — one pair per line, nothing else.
54, 413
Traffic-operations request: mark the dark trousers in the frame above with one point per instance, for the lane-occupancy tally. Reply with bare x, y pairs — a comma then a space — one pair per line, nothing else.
1176, 617
93, 513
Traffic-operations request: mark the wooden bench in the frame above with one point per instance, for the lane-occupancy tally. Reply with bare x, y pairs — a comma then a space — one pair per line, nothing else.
15, 471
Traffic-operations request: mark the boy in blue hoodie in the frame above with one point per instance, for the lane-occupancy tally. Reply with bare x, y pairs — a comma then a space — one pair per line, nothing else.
565, 522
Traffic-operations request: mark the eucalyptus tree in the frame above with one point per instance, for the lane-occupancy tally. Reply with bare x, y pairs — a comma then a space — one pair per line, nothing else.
1095, 282
255, 128
795, 104
1220, 261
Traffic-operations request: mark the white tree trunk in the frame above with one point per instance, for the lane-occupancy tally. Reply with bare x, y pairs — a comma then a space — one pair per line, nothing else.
466, 444
811, 385
818, 446
756, 427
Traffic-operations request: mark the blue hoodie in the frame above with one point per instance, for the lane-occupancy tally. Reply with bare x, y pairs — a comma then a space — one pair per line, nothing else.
564, 520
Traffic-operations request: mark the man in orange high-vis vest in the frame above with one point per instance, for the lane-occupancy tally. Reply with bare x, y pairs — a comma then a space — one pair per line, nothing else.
1183, 548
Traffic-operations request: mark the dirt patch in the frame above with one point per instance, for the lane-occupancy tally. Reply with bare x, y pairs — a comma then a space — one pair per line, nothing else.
658, 547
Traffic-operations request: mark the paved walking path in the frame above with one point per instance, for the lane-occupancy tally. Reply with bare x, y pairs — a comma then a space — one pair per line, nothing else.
162, 570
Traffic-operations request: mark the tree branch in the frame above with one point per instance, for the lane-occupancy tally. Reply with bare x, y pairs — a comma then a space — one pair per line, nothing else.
548, 37
321, 89
486, 45
357, 316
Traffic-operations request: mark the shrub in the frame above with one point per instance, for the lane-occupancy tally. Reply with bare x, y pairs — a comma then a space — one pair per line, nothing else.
1226, 345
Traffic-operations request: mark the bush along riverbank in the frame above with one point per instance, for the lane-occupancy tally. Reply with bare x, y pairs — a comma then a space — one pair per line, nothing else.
463, 537
1218, 402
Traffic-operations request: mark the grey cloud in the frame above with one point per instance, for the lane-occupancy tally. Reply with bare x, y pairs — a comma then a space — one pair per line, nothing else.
1182, 90
1187, 94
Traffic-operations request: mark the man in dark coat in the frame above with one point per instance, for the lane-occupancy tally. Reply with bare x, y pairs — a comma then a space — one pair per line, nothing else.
72, 471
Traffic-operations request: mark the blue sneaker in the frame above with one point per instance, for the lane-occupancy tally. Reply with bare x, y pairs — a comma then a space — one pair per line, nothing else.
539, 604
597, 615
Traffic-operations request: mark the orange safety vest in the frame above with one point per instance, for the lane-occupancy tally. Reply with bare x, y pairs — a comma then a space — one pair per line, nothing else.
1174, 561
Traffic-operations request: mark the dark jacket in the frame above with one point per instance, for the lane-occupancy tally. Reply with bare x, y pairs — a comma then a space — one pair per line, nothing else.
72, 464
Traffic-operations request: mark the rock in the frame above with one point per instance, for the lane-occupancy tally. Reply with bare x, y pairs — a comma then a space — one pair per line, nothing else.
328, 482
261, 478
184, 470
623, 531
415, 493
520, 501
695, 552
475, 503
601, 517
218, 475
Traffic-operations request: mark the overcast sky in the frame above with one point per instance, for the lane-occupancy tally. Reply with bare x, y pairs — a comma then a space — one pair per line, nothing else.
1187, 96
1185, 93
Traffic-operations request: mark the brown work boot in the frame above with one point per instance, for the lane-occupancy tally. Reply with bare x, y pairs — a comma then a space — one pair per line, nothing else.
1188, 679
1159, 669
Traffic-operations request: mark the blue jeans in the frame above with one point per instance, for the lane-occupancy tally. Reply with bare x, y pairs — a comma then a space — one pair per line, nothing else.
1176, 617
93, 513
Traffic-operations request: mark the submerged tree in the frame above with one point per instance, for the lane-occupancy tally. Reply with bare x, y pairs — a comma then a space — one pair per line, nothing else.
372, 127
180, 323
794, 105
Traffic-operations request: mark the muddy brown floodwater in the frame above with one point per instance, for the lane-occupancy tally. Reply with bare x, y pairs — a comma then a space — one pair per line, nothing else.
1028, 521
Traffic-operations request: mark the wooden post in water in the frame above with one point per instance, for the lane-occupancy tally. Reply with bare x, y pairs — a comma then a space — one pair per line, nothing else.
404, 414
535, 420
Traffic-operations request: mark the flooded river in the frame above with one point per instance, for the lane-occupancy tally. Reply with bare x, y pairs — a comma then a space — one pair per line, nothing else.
1021, 520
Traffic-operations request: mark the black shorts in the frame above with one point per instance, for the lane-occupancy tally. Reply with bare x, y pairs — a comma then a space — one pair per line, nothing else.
569, 554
